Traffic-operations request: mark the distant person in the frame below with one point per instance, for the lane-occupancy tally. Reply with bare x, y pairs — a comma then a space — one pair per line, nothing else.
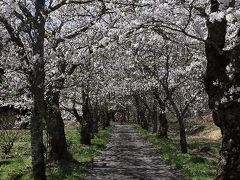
122, 118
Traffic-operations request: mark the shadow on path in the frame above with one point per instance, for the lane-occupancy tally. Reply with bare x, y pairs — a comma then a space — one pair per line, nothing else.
128, 157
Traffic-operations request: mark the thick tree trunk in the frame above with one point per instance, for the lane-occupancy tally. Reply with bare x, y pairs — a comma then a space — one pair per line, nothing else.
163, 123
143, 119
87, 124
163, 126
37, 119
218, 83
105, 116
228, 121
96, 119
86, 135
1, 73
36, 80
108, 118
182, 132
95, 127
55, 129
137, 106
102, 118
149, 118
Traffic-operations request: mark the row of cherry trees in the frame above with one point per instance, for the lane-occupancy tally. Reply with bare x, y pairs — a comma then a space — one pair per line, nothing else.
66, 58
47, 51
210, 25
159, 76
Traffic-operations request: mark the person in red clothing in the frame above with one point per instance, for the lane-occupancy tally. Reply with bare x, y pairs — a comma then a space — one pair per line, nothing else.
122, 118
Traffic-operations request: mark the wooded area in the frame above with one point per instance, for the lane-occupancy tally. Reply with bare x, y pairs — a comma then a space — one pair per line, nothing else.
86, 60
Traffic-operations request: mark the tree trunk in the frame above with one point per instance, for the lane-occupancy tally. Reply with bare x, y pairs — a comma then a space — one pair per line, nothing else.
154, 120
37, 119
1, 72
85, 135
101, 117
163, 126
37, 79
95, 119
55, 129
87, 124
128, 114
217, 83
143, 119
149, 118
105, 115
137, 106
163, 123
108, 118
230, 149
183, 140
95, 127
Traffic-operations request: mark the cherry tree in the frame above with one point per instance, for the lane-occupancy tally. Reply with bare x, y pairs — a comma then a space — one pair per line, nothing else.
27, 24
69, 42
90, 53
175, 79
29, 47
222, 81
216, 25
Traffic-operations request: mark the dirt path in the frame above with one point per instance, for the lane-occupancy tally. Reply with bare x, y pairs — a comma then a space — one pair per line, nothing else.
128, 157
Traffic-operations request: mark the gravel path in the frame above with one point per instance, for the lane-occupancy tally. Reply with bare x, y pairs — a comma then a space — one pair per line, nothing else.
128, 157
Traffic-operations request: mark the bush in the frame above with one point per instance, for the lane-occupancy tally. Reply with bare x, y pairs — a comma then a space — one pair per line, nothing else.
8, 137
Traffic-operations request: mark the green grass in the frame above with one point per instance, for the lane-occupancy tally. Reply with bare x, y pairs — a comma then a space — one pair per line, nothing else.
192, 166
84, 153
19, 164
10, 168
19, 159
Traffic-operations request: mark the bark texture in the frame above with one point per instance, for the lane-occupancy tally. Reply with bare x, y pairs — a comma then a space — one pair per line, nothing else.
38, 111
163, 123
163, 126
105, 116
154, 119
217, 83
37, 89
55, 128
96, 119
55, 125
87, 122
182, 133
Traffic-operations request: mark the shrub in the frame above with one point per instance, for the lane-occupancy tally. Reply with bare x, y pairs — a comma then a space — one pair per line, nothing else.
8, 136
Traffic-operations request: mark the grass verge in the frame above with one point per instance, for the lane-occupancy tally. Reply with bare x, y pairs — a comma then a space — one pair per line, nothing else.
19, 165
192, 166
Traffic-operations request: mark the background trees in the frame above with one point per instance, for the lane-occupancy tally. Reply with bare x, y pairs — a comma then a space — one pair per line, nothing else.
66, 59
